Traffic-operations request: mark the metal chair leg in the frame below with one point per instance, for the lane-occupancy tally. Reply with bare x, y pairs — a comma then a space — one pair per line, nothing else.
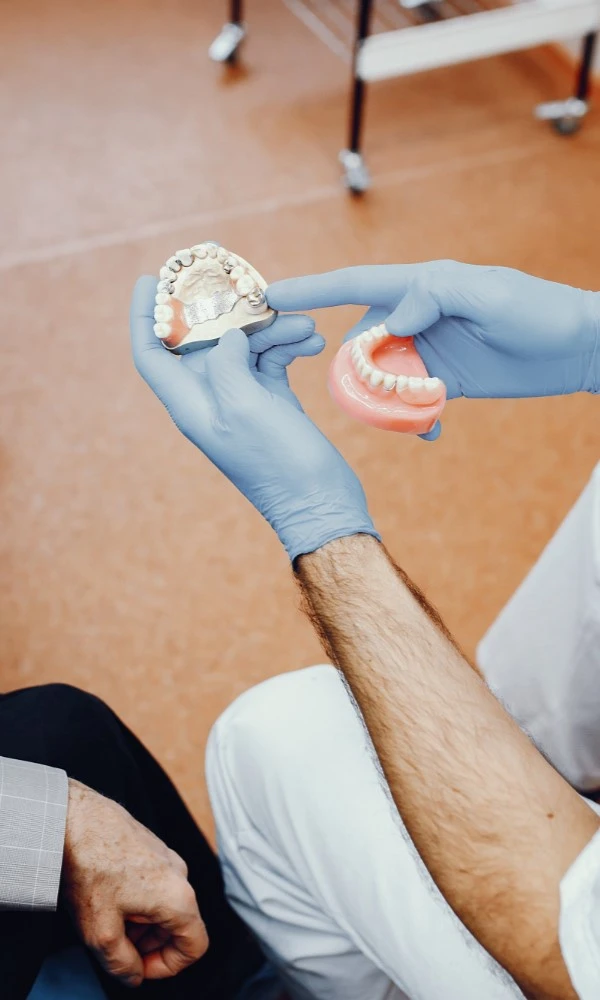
566, 117
356, 174
226, 45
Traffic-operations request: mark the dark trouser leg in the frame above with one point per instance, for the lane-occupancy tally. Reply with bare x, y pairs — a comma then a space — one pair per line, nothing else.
63, 727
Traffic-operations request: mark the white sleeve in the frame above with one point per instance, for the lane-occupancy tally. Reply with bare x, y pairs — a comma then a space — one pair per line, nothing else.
580, 921
542, 654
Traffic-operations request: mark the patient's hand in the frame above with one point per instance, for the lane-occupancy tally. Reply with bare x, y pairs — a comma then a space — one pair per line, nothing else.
128, 893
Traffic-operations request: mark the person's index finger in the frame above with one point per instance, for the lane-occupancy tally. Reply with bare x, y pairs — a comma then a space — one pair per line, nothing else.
369, 285
187, 942
191, 940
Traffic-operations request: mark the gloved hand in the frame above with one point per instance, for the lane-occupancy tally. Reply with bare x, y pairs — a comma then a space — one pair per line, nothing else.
486, 331
233, 401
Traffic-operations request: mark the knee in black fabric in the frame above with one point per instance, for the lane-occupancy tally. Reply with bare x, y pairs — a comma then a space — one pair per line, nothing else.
59, 725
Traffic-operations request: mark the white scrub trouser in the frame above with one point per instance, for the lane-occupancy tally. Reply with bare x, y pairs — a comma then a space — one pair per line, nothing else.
315, 857
317, 862
542, 654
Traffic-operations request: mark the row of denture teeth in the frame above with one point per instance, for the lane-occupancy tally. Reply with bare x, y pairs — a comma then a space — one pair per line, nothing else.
375, 377
243, 283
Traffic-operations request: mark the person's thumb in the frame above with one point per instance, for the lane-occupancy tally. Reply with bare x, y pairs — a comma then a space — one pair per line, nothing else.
416, 312
433, 434
228, 370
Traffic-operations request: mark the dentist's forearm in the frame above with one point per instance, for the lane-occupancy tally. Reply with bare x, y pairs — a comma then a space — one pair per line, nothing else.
496, 826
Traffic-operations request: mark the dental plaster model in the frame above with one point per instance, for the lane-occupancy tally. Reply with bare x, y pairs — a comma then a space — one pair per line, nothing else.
381, 380
205, 291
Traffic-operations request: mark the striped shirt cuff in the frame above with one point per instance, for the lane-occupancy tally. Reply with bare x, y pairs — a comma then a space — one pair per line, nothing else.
33, 815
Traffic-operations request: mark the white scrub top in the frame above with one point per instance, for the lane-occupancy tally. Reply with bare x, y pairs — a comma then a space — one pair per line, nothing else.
580, 921
542, 658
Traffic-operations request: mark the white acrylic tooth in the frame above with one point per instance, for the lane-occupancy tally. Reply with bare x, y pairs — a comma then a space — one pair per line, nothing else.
389, 381
382, 330
200, 251
165, 273
415, 383
432, 384
162, 314
173, 264
401, 383
376, 378
237, 273
367, 370
212, 250
245, 285
161, 298
184, 257
162, 330
222, 254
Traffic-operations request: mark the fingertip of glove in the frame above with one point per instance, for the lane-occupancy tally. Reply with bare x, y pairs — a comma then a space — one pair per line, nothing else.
144, 291
272, 295
146, 281
298, 322
433, 434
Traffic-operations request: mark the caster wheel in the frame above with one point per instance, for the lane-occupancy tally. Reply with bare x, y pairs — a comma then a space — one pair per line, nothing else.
356, 175
565, 117
356, 183
566, 125
226, 46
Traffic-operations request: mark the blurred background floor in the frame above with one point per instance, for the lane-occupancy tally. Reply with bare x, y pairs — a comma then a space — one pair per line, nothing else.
131, 567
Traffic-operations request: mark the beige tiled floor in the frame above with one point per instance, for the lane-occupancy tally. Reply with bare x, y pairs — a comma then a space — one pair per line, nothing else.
131, 568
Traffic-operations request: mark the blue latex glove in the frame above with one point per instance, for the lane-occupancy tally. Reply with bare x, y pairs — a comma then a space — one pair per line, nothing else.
233, 401
486, 331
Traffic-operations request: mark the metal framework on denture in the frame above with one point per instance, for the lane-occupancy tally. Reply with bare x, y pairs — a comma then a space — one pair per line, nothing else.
408, 387
236, 281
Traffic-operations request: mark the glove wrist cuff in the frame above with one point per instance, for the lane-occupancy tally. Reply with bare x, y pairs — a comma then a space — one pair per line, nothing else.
300, 545
592, 340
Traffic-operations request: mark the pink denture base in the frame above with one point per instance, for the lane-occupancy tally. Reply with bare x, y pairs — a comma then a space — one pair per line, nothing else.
408, 410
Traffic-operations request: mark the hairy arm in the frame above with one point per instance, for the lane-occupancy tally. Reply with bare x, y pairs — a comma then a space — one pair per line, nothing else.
495, 824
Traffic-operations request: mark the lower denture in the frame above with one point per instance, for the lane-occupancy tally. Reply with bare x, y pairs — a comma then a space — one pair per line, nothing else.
381, 380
